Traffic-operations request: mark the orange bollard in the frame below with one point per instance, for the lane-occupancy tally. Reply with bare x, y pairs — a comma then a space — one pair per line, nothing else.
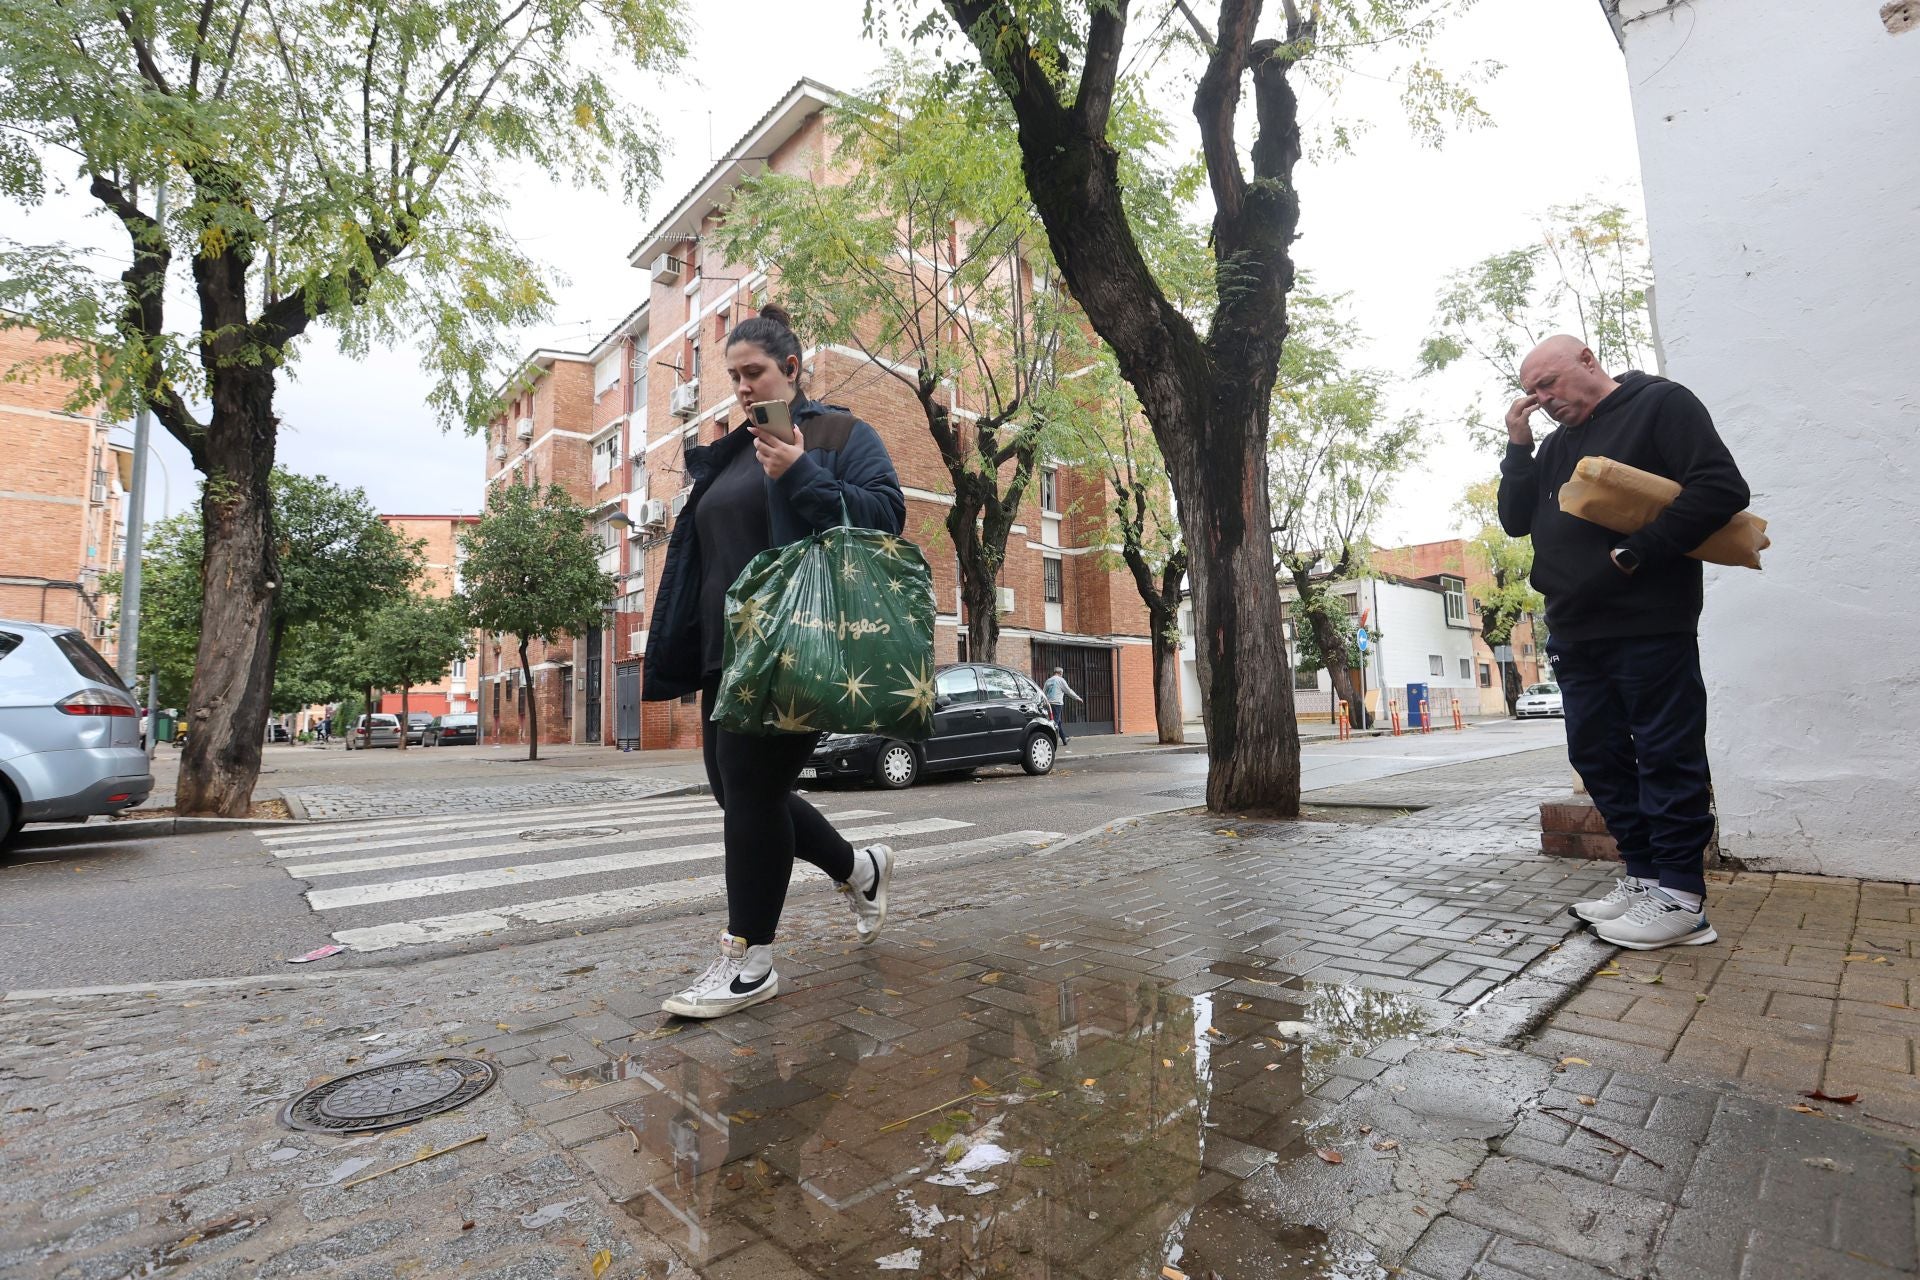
1393, 710
1346, 723
1459, 721
1426, 716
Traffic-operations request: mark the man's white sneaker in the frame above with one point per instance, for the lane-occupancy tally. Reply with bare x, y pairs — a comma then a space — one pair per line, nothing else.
742, 976
1616, 904
869, 905
1657, 921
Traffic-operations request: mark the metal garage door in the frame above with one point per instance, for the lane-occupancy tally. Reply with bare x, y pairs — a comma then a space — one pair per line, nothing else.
626, 705
1089, 669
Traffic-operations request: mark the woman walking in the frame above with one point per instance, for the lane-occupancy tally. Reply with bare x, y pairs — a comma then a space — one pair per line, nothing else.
752, 491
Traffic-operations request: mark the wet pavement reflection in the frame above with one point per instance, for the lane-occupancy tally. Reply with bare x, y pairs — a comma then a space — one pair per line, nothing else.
1092, 1127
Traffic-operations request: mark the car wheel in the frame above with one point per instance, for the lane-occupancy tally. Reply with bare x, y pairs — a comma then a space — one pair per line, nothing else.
1038, 755
9, 819
897, 766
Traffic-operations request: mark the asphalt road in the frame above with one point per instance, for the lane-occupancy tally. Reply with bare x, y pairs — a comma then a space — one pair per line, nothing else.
395, 890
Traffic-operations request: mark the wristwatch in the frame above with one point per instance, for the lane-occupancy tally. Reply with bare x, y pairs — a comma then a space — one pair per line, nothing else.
1626, 560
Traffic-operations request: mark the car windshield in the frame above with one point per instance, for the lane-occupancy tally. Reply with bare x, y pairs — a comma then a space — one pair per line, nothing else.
1543, 688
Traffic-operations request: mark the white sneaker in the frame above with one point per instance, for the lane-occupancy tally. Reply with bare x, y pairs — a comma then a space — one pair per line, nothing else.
742, 976
869, 905
1657, 921
1626, 892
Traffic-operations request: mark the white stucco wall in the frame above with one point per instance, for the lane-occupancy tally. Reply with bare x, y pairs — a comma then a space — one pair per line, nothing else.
1780, 153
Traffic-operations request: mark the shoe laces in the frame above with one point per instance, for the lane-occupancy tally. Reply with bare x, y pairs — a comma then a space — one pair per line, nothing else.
1624, 887
720, 971
1651, 907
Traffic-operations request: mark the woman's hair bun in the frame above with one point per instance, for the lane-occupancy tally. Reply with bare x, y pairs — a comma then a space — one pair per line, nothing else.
778, 314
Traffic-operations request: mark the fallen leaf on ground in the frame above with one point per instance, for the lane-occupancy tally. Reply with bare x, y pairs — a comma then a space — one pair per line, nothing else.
745, 1051
1575, 1062
1611, 971
1654, 981
1471, 1053
736, 1180
889, 991
1585, 1101
1366, 1128
1036, 1162
981, 1085
1421, 1210
1858, 955
1330, 1155
1172, 1273
1465, 1184
1820, 1162
1166, 1062
467, 1225
1386, 1144
1088, 1083
503, 1026
1701, 998
991, 977
601, 1261
1819, 1095
1806, 1110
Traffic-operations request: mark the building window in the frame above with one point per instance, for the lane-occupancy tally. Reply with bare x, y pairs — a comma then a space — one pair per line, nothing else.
689, 438
1456, 592
459, 668
1466, 668
1435, 665
688, 700
496, 701
606, 456
639, 482
1353, 604
1049, 488
640, 388
693, 357
1526, 651
606, 375
1305, 681
1486, 676
566, 694
1052, 571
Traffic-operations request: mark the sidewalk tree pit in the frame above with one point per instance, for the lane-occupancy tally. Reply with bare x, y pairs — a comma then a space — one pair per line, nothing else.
388, 1096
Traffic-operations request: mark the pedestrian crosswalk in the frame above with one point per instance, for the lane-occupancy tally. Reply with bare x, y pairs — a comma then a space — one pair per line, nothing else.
629, 856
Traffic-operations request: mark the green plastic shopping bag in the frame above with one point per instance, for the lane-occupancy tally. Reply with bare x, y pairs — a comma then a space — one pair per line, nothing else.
832, 633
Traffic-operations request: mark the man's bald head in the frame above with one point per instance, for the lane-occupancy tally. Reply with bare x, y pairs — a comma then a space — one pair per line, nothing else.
1565, 378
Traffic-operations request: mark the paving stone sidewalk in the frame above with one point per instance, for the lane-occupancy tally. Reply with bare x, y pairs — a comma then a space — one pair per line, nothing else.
335, 802
1250, 1050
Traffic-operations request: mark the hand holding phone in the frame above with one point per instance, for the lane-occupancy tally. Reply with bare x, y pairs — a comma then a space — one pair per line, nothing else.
773, 418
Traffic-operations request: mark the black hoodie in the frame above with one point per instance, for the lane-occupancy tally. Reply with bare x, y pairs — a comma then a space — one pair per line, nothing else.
1657, 426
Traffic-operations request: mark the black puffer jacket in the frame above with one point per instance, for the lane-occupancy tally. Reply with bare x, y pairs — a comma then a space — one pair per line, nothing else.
845, 462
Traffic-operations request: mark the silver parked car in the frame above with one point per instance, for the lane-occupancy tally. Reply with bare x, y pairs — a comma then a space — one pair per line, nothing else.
1538, 700
376, 730
69, 731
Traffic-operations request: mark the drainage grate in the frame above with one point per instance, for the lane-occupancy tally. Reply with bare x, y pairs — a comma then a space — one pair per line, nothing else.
1185, 793
386, 1097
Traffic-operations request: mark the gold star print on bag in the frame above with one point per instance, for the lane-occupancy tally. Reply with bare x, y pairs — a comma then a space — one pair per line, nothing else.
832, 633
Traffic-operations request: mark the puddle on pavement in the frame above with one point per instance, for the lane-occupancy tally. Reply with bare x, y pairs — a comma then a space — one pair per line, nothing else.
1089, 1129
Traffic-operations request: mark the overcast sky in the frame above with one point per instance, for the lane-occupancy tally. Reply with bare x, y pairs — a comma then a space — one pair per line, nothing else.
1384, 225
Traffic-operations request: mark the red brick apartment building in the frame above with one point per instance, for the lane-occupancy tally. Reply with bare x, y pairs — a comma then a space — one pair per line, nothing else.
453, 693
1458, 560
61, 499
612, 425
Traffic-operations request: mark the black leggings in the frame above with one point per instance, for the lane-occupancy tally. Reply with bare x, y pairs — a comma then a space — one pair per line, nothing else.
767, 826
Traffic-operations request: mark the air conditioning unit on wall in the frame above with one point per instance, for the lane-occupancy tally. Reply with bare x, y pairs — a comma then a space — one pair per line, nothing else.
685, 401
668, 269
525, 430
1003, 599
653, 513
499, 453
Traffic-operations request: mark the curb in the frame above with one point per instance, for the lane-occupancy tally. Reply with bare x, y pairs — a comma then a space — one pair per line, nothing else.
141, 828
1518, 1007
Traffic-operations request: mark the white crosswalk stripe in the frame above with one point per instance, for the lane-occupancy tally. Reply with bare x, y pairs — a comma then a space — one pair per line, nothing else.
649, 843
591, 906
414, 831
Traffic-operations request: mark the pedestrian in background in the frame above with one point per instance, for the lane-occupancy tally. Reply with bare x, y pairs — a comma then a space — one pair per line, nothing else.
1058, 691
1623, 616
753, 491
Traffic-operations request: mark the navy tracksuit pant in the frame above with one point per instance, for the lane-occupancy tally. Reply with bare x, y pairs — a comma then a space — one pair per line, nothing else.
1636, 712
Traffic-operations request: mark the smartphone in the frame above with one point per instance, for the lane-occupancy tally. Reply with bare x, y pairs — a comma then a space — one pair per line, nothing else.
771, 416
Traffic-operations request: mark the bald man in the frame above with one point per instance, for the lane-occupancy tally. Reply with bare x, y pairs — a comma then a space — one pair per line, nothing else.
1623, 616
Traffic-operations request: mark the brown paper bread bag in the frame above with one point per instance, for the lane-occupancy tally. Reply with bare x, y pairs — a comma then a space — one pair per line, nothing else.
1626, 499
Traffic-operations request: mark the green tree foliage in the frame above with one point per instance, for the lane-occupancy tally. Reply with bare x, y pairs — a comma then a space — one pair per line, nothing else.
1587, 274
1336, 453
340, 562
1204, 373
533, 572
409, 640
325, 162
1509, 561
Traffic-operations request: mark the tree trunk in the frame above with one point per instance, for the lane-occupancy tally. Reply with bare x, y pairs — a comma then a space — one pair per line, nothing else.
1167, 712
405, 689
531, 723
233, 667
1510, 685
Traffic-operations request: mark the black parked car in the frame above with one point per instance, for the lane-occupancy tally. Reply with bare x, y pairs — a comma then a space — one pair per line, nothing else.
453, 731
982, 715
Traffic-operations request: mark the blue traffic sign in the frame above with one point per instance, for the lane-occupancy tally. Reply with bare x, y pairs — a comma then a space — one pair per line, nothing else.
1361, 639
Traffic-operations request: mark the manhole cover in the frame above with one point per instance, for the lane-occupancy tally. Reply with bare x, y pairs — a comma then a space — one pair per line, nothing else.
386, 1097
567, 833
